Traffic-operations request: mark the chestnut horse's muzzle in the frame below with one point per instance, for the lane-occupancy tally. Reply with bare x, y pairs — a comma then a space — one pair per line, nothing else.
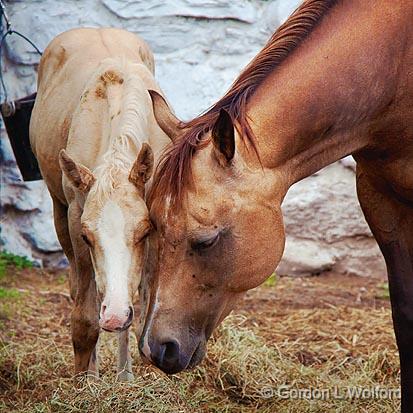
170, 356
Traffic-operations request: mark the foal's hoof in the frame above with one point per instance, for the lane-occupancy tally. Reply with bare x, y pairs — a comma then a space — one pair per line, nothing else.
92, 376
125, 376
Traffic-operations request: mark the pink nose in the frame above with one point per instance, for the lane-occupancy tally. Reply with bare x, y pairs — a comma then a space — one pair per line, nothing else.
115, 322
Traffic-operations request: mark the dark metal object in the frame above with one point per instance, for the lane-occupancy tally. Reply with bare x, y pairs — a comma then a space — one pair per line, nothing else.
16, 116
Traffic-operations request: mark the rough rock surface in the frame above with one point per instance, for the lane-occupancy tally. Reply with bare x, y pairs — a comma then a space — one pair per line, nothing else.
200, 46
326, 228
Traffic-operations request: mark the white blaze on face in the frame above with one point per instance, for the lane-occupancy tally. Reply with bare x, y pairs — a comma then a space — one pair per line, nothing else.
117, 258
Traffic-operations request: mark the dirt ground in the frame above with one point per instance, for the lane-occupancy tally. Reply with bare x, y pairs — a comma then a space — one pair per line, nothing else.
321, 333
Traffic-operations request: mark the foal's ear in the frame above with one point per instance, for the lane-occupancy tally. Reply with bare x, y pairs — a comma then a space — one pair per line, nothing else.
167, 121
79, 176
142, 168
223, 138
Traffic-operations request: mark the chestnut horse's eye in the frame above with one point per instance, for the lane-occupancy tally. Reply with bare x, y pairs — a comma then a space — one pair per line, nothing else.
203, 244
86, 240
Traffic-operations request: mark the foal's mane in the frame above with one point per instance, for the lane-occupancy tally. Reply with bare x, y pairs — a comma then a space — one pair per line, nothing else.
174, 169
126, 140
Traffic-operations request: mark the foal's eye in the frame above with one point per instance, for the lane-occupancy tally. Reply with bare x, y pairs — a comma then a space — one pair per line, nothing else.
205, 243
139, 237
153, 224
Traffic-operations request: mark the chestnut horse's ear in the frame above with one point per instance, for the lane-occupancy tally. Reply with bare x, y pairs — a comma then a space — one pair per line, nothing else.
79, 176
142, 168
223, 137
167, 121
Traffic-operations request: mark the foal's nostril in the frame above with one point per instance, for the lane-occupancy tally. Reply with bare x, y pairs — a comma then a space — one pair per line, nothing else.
128, 322
130, 316
103, 309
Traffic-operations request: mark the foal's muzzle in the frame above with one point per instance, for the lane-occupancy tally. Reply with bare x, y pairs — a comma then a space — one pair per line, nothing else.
114, 322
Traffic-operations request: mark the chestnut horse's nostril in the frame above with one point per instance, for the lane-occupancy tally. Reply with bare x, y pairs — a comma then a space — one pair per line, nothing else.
171, 353
167, 357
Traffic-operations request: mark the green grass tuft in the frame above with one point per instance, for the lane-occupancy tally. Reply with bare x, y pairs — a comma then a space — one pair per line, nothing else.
9, 293
13, 260
383, 292
271, 281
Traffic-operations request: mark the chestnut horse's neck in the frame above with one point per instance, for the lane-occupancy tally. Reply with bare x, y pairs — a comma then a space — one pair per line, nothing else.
329, 96
325, 86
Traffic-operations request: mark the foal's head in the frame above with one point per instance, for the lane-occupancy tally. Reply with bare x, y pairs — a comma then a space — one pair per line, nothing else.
221, 236
114, 224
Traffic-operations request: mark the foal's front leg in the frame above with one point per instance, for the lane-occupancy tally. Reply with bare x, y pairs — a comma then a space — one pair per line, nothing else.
124, 357
85, 331
85, 313
62, 230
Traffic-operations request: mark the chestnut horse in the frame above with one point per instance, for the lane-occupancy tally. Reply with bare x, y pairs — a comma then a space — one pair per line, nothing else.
93, 108
335, 79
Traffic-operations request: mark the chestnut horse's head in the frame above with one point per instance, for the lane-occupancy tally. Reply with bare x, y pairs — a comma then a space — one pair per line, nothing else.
216, 238
114, 224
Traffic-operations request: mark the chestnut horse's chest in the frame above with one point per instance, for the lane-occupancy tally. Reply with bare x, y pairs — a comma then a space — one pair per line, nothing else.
400, 177
393, 167
397, 167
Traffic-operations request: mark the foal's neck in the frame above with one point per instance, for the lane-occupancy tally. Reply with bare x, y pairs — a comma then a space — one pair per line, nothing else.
323, 102
127, 119
124, 126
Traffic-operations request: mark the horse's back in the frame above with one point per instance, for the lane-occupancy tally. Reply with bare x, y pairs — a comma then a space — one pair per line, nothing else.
66, 66
86, 48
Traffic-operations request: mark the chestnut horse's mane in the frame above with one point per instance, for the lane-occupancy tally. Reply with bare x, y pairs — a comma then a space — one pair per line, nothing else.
174, 169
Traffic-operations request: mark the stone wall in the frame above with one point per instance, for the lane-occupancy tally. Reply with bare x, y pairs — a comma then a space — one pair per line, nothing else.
200, 46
